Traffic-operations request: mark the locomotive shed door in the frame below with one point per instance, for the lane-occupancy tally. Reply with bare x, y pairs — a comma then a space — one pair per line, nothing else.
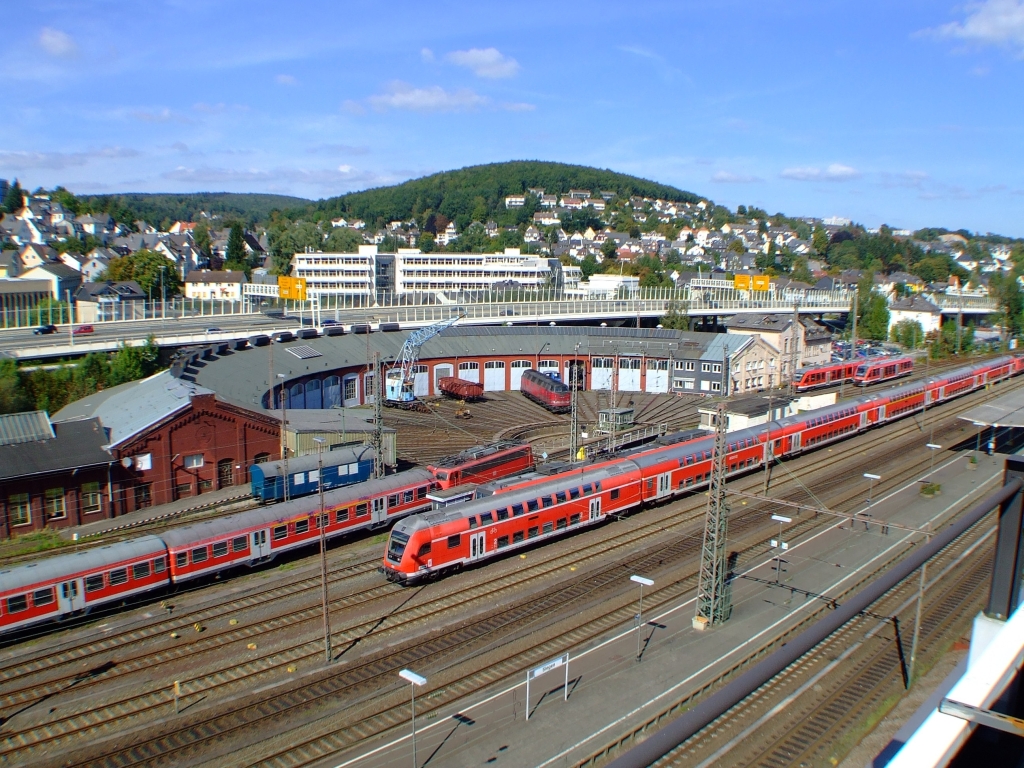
70, 596
476, 545
380, 511
260, 548
664, 484
595, 509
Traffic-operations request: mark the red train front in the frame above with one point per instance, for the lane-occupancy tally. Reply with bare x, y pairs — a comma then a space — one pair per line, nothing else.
547, 391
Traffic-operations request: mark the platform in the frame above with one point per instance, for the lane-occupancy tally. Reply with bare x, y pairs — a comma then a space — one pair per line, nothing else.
1005, 411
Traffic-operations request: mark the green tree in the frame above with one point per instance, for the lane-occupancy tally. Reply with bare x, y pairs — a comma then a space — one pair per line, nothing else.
736, 246
14, 199
609, 249
133, 363
236, 245
13, 397
144, 267
201, 238
909, 333
427, 243
820, 241
801, 272
676, 318
344, 240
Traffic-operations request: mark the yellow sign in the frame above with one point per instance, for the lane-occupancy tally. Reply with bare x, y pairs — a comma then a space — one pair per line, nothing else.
741, 282
762, 282
292, 288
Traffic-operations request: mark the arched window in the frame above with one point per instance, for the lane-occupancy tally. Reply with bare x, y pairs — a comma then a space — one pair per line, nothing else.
296, 396
313, 399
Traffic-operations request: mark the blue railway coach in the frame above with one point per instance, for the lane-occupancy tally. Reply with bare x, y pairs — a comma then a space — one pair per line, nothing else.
343, 466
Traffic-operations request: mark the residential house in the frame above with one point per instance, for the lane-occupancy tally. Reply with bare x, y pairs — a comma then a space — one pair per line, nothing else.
515, 201
812, 344
916, 308
208, 285
109, 300
64, 280
33, 255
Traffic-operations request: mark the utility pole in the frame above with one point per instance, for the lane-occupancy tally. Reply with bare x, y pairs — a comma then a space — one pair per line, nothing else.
284, 441
611, 406
322, 525
794, 344
378, 419
768, 453
713, 603
853, 340
574, 413
959, 317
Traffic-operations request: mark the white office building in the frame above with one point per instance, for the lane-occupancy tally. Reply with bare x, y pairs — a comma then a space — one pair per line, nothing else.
338, 274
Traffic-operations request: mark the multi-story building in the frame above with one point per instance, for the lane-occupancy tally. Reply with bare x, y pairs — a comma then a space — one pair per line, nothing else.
338, 274
431, 272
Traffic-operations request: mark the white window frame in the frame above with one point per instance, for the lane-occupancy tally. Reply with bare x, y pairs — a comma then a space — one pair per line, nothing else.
193, 461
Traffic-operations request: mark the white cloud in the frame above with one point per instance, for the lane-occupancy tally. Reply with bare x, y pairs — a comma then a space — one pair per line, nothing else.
727, 177
57, 43
834, 172
518, 106
344, 169
991, 22
426, 54
401, 95
485, 62
285, 80
20, 160
153, 116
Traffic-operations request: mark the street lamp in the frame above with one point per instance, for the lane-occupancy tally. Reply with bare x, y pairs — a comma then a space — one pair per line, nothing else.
163, 294
931, 463
871, 482
322, 524
414, 680
640, 612
780, 545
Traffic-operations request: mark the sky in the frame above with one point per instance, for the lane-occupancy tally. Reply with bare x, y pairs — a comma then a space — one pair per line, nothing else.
905, 113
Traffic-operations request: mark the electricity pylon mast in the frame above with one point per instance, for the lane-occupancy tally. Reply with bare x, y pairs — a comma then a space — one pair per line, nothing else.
713, 602
574, 410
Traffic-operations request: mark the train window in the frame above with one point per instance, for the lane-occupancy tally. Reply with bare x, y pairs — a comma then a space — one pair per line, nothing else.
421, 492
200, 554
454, 541
220, 549
502, 542
549, 527
159, 565
118, 576
321, 521
532, 505
42, 597
615, 491
301, 526
341, 515
533, 531
503, 513
239, 543
393, 500
597, 486
140, 571
17, 604
362, 509
560, 497
94, 583
690, 459
517, 510
574, 493
280, 531
424, 550
517, 536
472, 522
588, 489
561, 523
486, 519
574, 519
407, 497
181, 559
547, 502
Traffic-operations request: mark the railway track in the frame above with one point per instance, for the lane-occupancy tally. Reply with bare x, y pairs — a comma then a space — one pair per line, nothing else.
813, 711
739, 526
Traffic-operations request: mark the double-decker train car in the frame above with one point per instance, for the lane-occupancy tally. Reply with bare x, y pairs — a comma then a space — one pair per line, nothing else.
546, 390
68, 584
63, 585
883, 369
342, 466
816, 376
422, 546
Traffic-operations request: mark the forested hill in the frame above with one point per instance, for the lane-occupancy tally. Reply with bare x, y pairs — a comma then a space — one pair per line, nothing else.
478, 193
160, 208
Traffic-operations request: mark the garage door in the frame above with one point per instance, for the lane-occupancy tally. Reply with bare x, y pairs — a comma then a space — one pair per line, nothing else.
657, 376
518, 367
549, 366
494, 376
470, 372
442, 372
629, 374
602, 370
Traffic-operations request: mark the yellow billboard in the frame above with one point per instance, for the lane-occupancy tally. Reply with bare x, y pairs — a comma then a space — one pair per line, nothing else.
292, 288
762, 282
741, 282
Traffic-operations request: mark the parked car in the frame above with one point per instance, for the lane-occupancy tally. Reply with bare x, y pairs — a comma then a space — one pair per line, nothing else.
83, 329
43, 330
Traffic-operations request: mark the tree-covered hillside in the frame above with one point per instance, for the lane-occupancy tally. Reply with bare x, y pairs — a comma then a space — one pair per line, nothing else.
159, 208
478, 193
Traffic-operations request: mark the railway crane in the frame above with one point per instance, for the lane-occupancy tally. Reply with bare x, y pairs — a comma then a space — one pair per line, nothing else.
399, 380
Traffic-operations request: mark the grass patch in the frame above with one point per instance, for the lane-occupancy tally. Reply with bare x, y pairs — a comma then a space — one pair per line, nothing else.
37, 541
380, 538
286, 567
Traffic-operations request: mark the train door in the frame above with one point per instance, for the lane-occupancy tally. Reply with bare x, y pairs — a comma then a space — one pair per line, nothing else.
664, 484
260, 548
476, 545
794, 442
71, 596
595, 509
380, 511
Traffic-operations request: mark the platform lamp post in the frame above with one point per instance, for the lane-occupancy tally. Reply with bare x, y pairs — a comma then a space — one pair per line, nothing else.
932, 447
643, 582
872, 479
322, 524
414, 680
779, 545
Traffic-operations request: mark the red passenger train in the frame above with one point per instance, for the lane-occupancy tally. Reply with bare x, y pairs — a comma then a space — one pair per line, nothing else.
824, 375
546, 390
430, 544
883, 369
63, 585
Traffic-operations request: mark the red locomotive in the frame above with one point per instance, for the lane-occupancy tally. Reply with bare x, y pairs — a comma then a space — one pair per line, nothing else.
422, 546
547, 390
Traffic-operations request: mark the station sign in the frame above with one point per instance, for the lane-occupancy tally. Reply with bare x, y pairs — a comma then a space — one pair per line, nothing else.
741, 282
292, 288
762, 283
